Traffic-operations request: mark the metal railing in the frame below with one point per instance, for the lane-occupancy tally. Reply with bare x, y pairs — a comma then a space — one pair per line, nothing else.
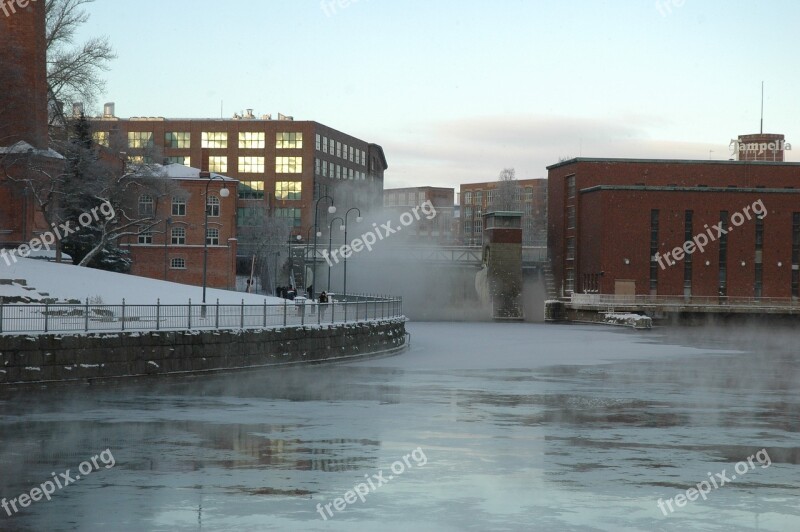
69, 318
613, 300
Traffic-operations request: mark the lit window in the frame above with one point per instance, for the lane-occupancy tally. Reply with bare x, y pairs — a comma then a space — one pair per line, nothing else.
180, 159
288, 140
288, 190
177, 264
214, 139
178, 206
218, 164
212, 236
212, 205
288, 165
251, 190
101, 138
252, 140
146, 205
146, 237
251, 165
177, 139
140, 139
291, 214
178, 236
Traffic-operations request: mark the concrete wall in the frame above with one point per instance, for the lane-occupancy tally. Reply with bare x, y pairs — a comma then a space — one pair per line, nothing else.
54, 358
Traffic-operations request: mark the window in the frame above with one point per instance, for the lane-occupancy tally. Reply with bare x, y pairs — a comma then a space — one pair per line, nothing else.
478, 197
180, 159
101, 138
571, 248
252, 140
688, 235
528, 193
796, 254
653, 251
351, 173
251, 190
490, 197
288, 190
291, 214
338, 172
571, 217
324, 169
214, 139
759, 265
212, 205
571, 186
324, 144
288, 165
288, 140
178, 236
249, 216
218, 163
468, 212
338, 149
178, 206
569, 281
177, 264
177, 139
146, 237
723, 254
212, 236
468, 227
467, 198
140, 159
146, 205
318, 142
140, 139
317, 166
251, 165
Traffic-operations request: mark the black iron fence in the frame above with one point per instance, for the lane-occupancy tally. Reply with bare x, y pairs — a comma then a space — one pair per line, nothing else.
86, 317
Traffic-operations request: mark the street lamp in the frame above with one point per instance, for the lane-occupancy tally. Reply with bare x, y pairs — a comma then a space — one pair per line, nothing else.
224, 192
332, 210
359, 219
330, 240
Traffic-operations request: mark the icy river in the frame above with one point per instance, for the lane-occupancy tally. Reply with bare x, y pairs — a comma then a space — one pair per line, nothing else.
479, 426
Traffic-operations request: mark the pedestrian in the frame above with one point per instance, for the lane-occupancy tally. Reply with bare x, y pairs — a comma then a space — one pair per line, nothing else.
323, 304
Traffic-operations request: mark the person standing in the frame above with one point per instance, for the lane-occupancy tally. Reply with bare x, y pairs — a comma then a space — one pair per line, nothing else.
323, 304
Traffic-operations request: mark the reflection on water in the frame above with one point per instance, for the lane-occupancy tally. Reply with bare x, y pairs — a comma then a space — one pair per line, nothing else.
539, 435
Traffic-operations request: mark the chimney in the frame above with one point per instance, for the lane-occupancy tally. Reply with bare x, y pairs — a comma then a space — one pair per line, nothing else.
204, 154
108, 110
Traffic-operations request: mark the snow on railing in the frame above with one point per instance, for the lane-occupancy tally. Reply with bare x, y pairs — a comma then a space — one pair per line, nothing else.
611, 300
20, 318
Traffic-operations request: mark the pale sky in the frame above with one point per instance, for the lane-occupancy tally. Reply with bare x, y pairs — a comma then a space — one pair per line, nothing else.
456, 90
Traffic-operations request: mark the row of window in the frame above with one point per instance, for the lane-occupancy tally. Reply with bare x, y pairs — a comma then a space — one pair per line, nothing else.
475, 197
178, 236
343, 151
335, 171
208, 139
249, 216
147, 205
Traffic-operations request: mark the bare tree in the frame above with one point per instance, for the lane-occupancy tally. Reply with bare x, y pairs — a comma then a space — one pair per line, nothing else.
507, 192
264, 238
73, 70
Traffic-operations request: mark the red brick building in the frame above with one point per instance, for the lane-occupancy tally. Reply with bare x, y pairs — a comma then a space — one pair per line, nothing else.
173, 250
475, 199
612, 222
283, 166
438, 230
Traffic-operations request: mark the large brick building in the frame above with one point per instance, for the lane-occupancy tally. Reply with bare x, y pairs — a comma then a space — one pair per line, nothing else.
475, 199
612, 223
282, 165
438, 230
173, 250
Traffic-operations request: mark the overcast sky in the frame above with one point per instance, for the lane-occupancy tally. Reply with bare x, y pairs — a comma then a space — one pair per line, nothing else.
456, 90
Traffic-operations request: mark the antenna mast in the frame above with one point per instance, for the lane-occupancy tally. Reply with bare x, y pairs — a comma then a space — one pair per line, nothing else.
762, 107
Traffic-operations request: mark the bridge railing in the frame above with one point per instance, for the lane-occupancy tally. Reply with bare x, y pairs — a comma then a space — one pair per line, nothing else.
71, 318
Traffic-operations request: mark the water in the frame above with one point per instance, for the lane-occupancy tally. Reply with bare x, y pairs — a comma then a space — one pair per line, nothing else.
502, 426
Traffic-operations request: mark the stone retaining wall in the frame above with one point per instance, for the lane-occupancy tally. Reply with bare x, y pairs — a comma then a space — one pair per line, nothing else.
58, 358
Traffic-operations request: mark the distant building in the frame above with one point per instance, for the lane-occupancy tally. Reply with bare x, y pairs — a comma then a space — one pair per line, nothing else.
475, 199
439, 229
173, 250
637, 226
760, 147
283, 166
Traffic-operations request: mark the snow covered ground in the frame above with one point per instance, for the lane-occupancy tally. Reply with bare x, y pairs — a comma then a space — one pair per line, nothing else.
65, 281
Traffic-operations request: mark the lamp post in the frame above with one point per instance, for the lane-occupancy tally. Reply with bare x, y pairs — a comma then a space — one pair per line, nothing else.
358, 220
330, 241
224, 192
332, 210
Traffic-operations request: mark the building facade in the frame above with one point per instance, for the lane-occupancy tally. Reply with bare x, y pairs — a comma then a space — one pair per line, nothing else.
439, 229
174, 248
475, 199
675, 227
283, 166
